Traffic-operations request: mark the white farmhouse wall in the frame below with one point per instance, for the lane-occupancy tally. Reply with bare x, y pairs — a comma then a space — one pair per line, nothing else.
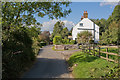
87, 25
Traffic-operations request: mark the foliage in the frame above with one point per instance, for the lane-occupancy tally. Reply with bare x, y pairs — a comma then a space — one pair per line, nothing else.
84, 37
65, 41
113, 73
110, 36
18, 51
15, 14
20, 43
57, 40
57, 30
43, 43
102, 23
115, 15
44, 37
89, 66
72, 41
91, 41
70, 32
64, 32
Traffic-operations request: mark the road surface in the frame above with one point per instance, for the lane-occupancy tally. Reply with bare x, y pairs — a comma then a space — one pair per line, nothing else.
49, 64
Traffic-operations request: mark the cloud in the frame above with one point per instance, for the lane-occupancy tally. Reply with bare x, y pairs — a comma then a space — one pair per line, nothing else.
69, 24
109, 2
48, 26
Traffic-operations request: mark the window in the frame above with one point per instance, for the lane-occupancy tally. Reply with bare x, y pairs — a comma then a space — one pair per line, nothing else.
81, 24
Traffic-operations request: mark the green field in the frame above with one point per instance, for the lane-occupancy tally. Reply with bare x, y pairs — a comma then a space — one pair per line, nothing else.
89, 66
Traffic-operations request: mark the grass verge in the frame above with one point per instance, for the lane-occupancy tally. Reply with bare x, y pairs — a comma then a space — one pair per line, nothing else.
89, 66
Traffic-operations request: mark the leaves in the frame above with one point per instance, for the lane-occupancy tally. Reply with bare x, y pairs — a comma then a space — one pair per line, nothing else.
84, 37
12, 11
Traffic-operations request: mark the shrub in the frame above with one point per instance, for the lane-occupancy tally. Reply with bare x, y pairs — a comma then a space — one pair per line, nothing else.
72, 41
91, 41
18, 51
57, 40
65, 41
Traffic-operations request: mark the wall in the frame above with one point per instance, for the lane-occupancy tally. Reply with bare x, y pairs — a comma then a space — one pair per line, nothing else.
87, 24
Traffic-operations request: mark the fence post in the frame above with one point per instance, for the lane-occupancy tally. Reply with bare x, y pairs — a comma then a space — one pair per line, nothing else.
99, 51
107, 54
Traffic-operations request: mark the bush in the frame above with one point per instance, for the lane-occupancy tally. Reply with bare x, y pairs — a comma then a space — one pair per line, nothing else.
72, 42
65, 41
91, 41
57, 40
18, 51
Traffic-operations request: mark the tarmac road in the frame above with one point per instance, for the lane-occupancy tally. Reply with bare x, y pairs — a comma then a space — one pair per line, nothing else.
49, 64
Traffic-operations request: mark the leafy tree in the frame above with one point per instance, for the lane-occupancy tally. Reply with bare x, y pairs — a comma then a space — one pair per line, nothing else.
58, 27
84, 37
44, 37
105, 38
115, 15
20, 43
102, 23
110, 36
70, 32
19, 13
64, 32
113, 29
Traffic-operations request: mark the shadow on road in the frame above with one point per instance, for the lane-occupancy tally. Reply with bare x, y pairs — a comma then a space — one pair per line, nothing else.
48, 68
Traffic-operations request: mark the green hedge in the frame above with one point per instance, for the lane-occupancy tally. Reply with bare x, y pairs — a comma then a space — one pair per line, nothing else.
72, 42
57, 40
18, 51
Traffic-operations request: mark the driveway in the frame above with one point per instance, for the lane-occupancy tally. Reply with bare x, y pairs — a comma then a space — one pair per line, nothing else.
49, 64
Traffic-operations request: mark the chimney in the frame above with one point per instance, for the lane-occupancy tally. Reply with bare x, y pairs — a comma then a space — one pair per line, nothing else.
85, 14
82, 17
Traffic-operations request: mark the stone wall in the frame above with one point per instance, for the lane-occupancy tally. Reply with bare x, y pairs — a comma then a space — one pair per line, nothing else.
65, 47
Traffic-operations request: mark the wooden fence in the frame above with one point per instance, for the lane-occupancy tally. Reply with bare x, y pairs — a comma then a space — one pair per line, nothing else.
88, 48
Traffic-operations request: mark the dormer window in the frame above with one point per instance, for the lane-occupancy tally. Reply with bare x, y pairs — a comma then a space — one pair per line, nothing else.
81, 24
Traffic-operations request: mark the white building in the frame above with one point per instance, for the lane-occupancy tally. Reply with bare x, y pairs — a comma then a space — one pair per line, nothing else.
86, 25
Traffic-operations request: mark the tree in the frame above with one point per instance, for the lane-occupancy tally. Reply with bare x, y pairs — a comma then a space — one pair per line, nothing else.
110, 36
64, 32
44, 36
115, 15
70, 32
102, 23
19, 13
84, 37
58, 27
20, 43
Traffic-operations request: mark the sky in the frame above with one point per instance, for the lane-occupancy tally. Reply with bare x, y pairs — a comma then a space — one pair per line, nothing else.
96, 10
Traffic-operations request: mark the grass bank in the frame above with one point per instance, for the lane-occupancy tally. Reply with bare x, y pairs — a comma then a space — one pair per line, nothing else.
89, 66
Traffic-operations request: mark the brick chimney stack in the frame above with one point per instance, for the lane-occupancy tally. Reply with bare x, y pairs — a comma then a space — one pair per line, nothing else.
85, 14
82, 17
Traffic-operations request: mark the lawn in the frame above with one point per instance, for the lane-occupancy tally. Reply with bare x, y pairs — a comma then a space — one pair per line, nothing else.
89, 66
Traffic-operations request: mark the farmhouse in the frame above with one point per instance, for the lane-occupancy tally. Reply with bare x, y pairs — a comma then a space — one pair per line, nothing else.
86, 25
